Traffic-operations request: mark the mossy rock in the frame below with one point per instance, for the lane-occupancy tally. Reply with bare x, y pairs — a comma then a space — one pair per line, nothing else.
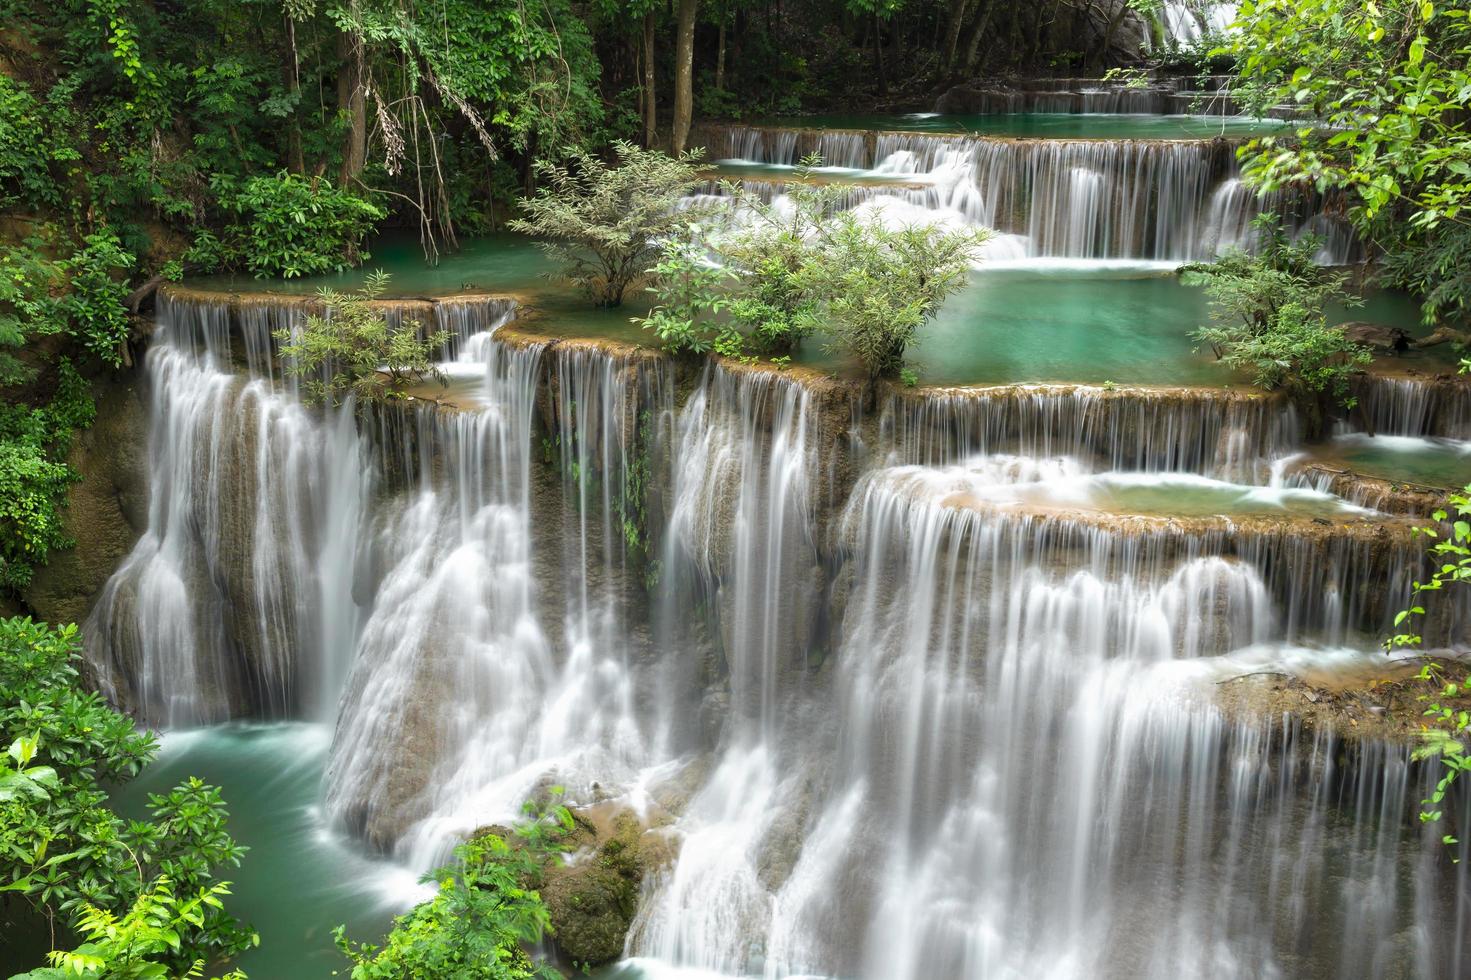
592, 897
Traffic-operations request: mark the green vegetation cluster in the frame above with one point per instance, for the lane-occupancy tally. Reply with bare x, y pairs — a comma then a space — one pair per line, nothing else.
1267, 307
484, 914
1384, 89
747, 278
144, 896
349, 350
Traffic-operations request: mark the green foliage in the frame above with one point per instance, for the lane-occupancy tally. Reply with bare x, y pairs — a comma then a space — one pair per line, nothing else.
1386, 87
483, 914
26, 149
1447, 732
287, 225
1268, 313
32, 492
783, 273
771, 255
139, 944
881, 285
604, 224
65, 852
34, 476
350, 351
687, 287
96, 295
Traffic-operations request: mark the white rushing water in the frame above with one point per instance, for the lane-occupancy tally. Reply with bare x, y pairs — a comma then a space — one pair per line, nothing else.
931, 687
1167, 200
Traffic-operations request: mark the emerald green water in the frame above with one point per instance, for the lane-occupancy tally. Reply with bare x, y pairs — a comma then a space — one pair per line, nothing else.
1044, 320
299, 880
1431, 462
1173, 495
1049, 125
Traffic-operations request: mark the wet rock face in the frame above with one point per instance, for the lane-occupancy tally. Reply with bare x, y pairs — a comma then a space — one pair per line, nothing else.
107, 510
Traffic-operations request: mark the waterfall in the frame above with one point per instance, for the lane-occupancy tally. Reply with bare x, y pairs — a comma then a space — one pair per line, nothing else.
1145, 429
1024, 746
957, 682
1175, 200
251, 536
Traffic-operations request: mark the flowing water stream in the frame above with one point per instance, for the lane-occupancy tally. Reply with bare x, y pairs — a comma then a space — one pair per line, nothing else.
929, 685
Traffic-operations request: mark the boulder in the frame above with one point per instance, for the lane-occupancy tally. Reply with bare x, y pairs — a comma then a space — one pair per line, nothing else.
1377, 336
592, 895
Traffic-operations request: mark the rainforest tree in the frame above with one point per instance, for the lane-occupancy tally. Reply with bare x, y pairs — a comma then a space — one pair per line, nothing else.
1384, 89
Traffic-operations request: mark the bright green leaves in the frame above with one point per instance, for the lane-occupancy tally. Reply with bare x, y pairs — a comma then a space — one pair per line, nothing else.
65, 852
485, 910
1446, 733
348, 350
288, 225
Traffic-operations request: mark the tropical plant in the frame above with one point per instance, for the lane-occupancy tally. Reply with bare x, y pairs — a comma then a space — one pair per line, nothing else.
1446, 734
603, 225
484, 914
350, 351
879, 286
1384, 87
687, 287
142, 942
770, 252
288, 225
1267, 309
64, 851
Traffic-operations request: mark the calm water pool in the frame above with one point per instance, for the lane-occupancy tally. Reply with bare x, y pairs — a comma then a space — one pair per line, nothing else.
1042, 320
299, 880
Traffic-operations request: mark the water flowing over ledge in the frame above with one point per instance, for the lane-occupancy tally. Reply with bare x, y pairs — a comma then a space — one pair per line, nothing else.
1174, 200
906, 687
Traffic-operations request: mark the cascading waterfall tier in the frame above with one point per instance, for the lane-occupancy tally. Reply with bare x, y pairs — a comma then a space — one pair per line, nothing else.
1022, 770
1175, 200
931, 684
1195, 430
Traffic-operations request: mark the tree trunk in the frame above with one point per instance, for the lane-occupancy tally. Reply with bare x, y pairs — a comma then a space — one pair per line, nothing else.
953, 25
352, 103
651, 106
294, 160
720, 57
977, 34
684, 65
878, 57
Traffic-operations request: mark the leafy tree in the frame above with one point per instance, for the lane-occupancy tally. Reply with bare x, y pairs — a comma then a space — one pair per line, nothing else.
484, 913
64, 851
1385, 87
1268, 313
688, 288
770, 251
350, 351
879, 286
604, 224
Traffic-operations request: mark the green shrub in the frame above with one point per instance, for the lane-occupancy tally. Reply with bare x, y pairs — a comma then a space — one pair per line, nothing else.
603, 225
96, 298
289, 226
1269, 322
352, 352
484, 914
67, 851
880, 285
